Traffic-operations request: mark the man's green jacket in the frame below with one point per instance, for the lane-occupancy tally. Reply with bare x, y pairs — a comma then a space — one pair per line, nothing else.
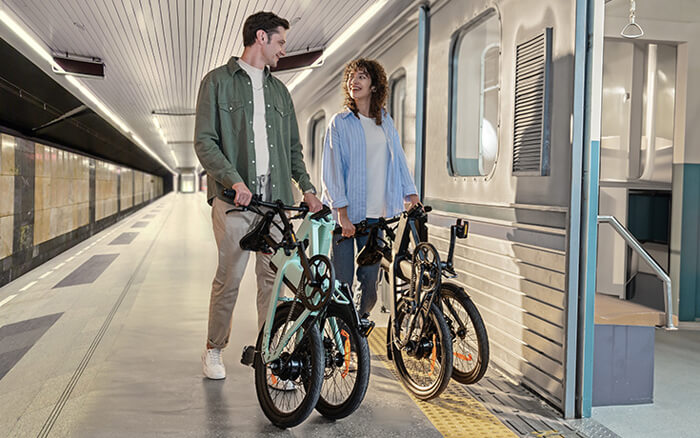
224, 139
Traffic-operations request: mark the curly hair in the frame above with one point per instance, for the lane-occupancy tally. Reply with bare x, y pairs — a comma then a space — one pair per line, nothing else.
379, 82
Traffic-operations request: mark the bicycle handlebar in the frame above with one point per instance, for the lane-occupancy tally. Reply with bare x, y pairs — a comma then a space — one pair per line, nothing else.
257, 202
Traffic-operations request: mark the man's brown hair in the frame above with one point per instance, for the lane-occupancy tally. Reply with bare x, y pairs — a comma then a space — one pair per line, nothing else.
266, 21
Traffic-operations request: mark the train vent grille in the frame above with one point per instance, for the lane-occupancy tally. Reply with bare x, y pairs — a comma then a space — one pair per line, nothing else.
531, 127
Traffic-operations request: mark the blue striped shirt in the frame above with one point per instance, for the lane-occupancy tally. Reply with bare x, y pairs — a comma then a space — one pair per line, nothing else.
345, 167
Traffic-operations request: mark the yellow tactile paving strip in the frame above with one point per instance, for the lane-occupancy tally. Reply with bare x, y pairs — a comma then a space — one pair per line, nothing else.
455, 413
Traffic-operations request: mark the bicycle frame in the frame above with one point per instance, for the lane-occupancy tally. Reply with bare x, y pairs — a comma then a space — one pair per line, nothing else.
318, 234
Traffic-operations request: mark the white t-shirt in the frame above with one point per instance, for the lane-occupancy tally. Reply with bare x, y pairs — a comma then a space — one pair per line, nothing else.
377, 163
262, 155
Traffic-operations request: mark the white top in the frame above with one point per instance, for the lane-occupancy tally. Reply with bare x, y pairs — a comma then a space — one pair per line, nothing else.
377, 164
262, 155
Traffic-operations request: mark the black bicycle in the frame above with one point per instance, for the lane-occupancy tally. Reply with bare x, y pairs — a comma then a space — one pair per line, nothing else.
435, 331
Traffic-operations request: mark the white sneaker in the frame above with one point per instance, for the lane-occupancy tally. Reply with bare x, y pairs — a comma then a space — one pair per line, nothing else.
213, 364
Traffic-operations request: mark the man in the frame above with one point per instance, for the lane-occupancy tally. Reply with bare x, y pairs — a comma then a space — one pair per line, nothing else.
247, 139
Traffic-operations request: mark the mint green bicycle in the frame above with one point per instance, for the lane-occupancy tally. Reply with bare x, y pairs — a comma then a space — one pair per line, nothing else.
312, 351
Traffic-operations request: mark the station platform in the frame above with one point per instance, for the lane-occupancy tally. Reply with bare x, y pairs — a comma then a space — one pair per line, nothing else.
105, 340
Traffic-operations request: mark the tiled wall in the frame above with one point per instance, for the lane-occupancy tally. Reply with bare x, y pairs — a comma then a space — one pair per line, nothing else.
106, 186
61, 192
51, 199
7, 189
127, 188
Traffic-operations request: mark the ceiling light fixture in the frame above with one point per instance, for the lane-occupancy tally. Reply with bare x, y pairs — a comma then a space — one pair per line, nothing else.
45, 55
335, 45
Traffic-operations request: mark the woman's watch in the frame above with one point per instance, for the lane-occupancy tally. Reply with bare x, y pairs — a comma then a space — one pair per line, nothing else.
311, 190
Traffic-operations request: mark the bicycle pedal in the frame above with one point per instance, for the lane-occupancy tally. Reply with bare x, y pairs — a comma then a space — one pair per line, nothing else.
248, 355
366, 326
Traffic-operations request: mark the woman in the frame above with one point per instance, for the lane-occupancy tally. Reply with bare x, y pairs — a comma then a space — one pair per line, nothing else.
365, 175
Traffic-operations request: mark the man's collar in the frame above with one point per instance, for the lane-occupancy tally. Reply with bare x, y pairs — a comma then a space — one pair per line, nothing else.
233, 66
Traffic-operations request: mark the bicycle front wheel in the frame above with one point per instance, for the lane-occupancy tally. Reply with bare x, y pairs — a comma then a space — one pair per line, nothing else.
347, 363
288, 388
424, 363
470, 343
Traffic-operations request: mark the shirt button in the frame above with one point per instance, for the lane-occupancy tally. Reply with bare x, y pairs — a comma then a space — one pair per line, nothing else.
269, 126
248, 82
273, 166
250, 101
268, 105
253, 161
250, 123
251, 141
230, 108
273, 186
272, 145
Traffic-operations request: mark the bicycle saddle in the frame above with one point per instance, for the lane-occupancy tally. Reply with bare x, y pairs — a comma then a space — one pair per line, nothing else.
372, 252
254, 240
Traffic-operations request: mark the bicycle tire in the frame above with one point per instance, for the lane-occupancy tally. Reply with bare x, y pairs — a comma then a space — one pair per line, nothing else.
466, 368
442, 352
309, 352
353, 374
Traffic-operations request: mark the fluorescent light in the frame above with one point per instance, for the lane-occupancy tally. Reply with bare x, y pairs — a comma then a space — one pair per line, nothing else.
354, 27
297, 80
44, 54
342, 38
31, 42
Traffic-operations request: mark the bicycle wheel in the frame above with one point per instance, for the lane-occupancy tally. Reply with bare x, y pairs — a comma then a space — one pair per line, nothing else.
288, 388
425, 362
470, 342
347, 365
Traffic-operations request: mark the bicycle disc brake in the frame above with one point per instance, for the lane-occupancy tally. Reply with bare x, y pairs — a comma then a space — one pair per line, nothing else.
315, 292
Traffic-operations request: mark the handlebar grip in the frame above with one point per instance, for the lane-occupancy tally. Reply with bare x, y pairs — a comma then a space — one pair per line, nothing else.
230, 193
324, 212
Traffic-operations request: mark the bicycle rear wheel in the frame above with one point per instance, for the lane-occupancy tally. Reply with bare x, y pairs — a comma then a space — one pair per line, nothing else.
347, 365
288, 388
470, 342
425, 363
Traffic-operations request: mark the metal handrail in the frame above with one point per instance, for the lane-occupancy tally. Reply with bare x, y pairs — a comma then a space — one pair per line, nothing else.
634, 243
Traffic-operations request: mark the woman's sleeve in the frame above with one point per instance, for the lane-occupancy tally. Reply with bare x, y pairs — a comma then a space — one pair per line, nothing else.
333, 169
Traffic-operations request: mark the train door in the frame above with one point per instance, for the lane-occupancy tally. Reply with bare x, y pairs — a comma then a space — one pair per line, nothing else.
637, 143
650, 164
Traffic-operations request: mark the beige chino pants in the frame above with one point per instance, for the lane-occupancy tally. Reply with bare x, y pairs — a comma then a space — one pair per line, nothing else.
228, 231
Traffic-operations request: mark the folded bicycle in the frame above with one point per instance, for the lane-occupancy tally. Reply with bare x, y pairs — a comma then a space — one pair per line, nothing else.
312, 351
435, 331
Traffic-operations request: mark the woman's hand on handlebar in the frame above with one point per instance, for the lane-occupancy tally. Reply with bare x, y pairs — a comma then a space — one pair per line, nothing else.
413, 200
345, 224
243, 195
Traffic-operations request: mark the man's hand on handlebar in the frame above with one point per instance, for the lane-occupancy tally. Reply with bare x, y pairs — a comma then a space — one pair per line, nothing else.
313, 202
243, 195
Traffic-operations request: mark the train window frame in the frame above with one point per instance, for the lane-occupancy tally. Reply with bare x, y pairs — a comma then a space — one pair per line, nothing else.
396, 78
462, 167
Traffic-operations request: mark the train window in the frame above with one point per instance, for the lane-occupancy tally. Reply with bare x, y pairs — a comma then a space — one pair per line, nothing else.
474, 96
317, 131
397, 86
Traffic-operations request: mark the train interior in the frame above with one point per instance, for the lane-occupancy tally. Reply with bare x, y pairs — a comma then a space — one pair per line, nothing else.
648, 155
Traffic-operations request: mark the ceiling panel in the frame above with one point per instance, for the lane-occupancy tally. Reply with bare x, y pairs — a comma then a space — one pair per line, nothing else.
156, 51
